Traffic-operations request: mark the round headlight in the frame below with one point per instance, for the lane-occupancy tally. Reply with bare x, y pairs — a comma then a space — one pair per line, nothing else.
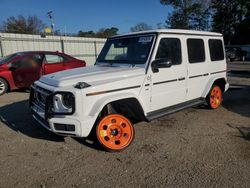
68, 100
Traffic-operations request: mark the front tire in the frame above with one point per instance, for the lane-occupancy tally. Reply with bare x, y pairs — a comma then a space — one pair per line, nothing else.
214, 97
114, 132
3, 86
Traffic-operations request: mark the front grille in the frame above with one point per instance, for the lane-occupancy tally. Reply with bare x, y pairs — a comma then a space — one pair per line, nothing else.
38, 97
41, 120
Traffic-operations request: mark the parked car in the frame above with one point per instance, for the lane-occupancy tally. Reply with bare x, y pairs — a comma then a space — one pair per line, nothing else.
235, 54
137, 77
20, 70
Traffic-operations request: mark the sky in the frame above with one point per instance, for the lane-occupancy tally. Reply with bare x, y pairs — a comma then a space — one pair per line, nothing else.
86, 15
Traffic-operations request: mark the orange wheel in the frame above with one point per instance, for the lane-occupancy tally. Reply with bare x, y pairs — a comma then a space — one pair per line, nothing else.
115, 132
214, 98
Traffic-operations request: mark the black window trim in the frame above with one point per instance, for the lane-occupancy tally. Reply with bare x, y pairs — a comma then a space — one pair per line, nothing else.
169, 37
223, 48
205, 58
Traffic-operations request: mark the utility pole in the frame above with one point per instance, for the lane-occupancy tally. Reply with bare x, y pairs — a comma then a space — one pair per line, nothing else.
52, 23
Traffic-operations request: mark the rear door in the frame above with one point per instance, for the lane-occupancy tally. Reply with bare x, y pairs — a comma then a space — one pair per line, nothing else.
198, 74
26, 70
70, 63
53, 63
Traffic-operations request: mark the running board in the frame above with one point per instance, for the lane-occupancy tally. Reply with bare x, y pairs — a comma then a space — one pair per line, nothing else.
172, 109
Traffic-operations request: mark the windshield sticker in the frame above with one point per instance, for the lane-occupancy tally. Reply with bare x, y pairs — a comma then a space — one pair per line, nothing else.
145, 39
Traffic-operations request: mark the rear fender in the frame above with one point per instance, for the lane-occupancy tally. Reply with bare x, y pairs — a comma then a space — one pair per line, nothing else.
210, 84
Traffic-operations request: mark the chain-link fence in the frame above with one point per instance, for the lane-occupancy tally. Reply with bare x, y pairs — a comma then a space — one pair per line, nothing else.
79, 47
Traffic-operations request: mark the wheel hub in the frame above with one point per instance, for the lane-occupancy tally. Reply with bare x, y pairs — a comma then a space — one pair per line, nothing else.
2, 87
114, 132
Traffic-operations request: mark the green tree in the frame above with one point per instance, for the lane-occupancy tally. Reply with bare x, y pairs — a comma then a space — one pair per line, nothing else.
108, 32
20, 24
86, 34
140, 27
188, 14
232, 19
102, 33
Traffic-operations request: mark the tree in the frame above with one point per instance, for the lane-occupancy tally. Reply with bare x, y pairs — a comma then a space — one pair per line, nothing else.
108, 32
20, 24
86, 34
187, 14
102, 33
232, 19
140, 27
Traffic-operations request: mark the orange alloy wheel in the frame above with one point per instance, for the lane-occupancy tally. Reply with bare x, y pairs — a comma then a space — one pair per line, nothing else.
115, 132
215, 97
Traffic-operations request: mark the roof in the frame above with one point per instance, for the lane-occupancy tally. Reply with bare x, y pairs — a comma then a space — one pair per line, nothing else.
38, 51
173, 31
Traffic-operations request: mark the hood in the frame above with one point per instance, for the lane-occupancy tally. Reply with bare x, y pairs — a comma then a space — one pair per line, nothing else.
93, 75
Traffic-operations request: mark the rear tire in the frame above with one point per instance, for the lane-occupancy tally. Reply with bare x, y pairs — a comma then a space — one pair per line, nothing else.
214, 97
3, 86
114, 132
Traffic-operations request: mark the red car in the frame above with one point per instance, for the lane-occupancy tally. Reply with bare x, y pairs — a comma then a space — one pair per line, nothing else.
21, 69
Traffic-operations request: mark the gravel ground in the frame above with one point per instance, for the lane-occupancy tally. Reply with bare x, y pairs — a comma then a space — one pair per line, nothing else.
196, 147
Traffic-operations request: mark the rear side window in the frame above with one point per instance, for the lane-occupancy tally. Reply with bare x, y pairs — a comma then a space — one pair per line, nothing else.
196, 50
170, 48
216, 49
51, 59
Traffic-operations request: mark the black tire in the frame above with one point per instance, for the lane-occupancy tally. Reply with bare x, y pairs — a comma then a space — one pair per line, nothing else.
3, 86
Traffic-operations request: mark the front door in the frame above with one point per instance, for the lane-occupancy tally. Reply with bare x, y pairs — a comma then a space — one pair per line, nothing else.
168, 84
26, 70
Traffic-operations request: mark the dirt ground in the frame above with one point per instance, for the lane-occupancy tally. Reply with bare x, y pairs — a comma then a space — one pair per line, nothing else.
196, 147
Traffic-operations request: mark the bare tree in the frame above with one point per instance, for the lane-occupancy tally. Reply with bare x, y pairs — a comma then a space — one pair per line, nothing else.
20, 24
140, 27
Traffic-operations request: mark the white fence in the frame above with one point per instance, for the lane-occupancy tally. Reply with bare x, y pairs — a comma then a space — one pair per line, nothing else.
79, 47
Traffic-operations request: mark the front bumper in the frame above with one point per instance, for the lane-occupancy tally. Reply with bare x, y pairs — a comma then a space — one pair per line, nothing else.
59, 123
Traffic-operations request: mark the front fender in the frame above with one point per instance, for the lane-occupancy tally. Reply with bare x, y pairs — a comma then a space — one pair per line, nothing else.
99, 104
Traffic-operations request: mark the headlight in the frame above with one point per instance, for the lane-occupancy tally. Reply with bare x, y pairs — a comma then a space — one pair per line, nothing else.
68, 100
60, 103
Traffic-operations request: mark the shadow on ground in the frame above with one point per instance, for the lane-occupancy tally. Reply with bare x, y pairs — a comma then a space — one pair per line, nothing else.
17, 117
237, 100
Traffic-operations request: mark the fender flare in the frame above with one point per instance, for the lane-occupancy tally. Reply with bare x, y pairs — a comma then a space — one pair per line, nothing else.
210, 83
99, 105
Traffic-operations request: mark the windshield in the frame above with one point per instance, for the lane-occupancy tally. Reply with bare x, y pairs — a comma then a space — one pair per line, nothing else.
7, 58
130, 50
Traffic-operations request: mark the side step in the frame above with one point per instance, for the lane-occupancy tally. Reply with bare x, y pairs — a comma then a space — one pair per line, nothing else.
172, 109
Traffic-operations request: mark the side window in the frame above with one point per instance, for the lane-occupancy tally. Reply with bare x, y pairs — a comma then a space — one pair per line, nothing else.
216, 49
51, 59
28, 61
170, 48
196, 50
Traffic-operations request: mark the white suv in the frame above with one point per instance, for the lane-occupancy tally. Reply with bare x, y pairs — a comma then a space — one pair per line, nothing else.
137, 77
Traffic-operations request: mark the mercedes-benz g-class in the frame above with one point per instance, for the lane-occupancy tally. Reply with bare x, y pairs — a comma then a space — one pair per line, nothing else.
137, 77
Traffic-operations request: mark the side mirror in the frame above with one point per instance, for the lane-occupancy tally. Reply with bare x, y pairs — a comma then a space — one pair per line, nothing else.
160, 63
